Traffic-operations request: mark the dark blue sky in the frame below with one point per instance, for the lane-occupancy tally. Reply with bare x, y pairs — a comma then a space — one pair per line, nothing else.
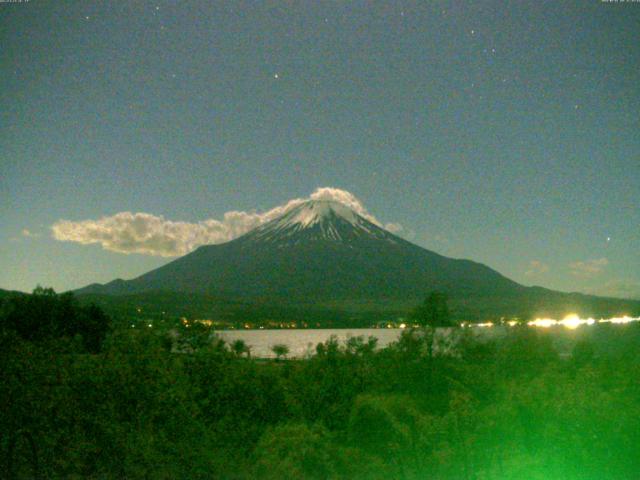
503, 132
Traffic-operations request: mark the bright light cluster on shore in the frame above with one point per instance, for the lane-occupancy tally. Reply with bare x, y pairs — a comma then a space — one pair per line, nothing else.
571, 322
484, 325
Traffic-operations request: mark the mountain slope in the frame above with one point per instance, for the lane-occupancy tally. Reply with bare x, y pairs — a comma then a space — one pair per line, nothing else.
321, 252
318, 250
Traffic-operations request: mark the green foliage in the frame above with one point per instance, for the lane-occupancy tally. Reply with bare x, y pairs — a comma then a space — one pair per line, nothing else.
124, 413
281, 350
383, 424
358, 345
434, 311
295, 450
506, 408
240, 347
195, 337
583, 353
44, 316
525, 352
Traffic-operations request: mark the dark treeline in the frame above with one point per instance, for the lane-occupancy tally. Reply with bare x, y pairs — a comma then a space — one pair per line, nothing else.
102, 402
269, 313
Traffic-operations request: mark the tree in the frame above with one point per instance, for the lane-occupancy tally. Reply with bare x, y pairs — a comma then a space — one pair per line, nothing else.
239, 347
46, 315
434, 311
198, 337
93, 327
358, 345
281, 350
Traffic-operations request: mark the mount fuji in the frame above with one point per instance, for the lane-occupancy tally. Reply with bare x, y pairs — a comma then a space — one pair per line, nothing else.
322, 253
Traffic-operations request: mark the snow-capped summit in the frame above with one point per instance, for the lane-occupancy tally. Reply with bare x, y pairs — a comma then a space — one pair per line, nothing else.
317, 211
318, 220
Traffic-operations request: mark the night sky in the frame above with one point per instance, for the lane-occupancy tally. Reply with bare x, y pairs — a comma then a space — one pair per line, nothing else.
503, 132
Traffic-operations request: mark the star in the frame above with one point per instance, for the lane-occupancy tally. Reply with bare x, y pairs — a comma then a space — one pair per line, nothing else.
276, 76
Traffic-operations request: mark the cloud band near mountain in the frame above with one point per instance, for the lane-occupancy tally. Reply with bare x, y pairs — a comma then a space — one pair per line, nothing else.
588, 268
148, 234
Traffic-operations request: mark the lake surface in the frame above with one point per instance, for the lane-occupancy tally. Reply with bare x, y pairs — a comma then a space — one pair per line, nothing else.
303, 343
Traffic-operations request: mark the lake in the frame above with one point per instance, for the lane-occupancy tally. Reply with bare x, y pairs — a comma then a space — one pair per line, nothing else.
302, 343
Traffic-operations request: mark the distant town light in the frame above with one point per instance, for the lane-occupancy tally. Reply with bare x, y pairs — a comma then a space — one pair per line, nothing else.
542, 322
624, 319
573, 321
485, 324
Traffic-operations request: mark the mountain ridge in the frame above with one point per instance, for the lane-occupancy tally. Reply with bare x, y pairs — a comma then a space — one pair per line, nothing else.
322, 252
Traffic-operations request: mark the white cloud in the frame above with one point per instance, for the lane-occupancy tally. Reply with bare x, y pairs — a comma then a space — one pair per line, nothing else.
394, 227
148, 234
29, 234
536, 267
588, 268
